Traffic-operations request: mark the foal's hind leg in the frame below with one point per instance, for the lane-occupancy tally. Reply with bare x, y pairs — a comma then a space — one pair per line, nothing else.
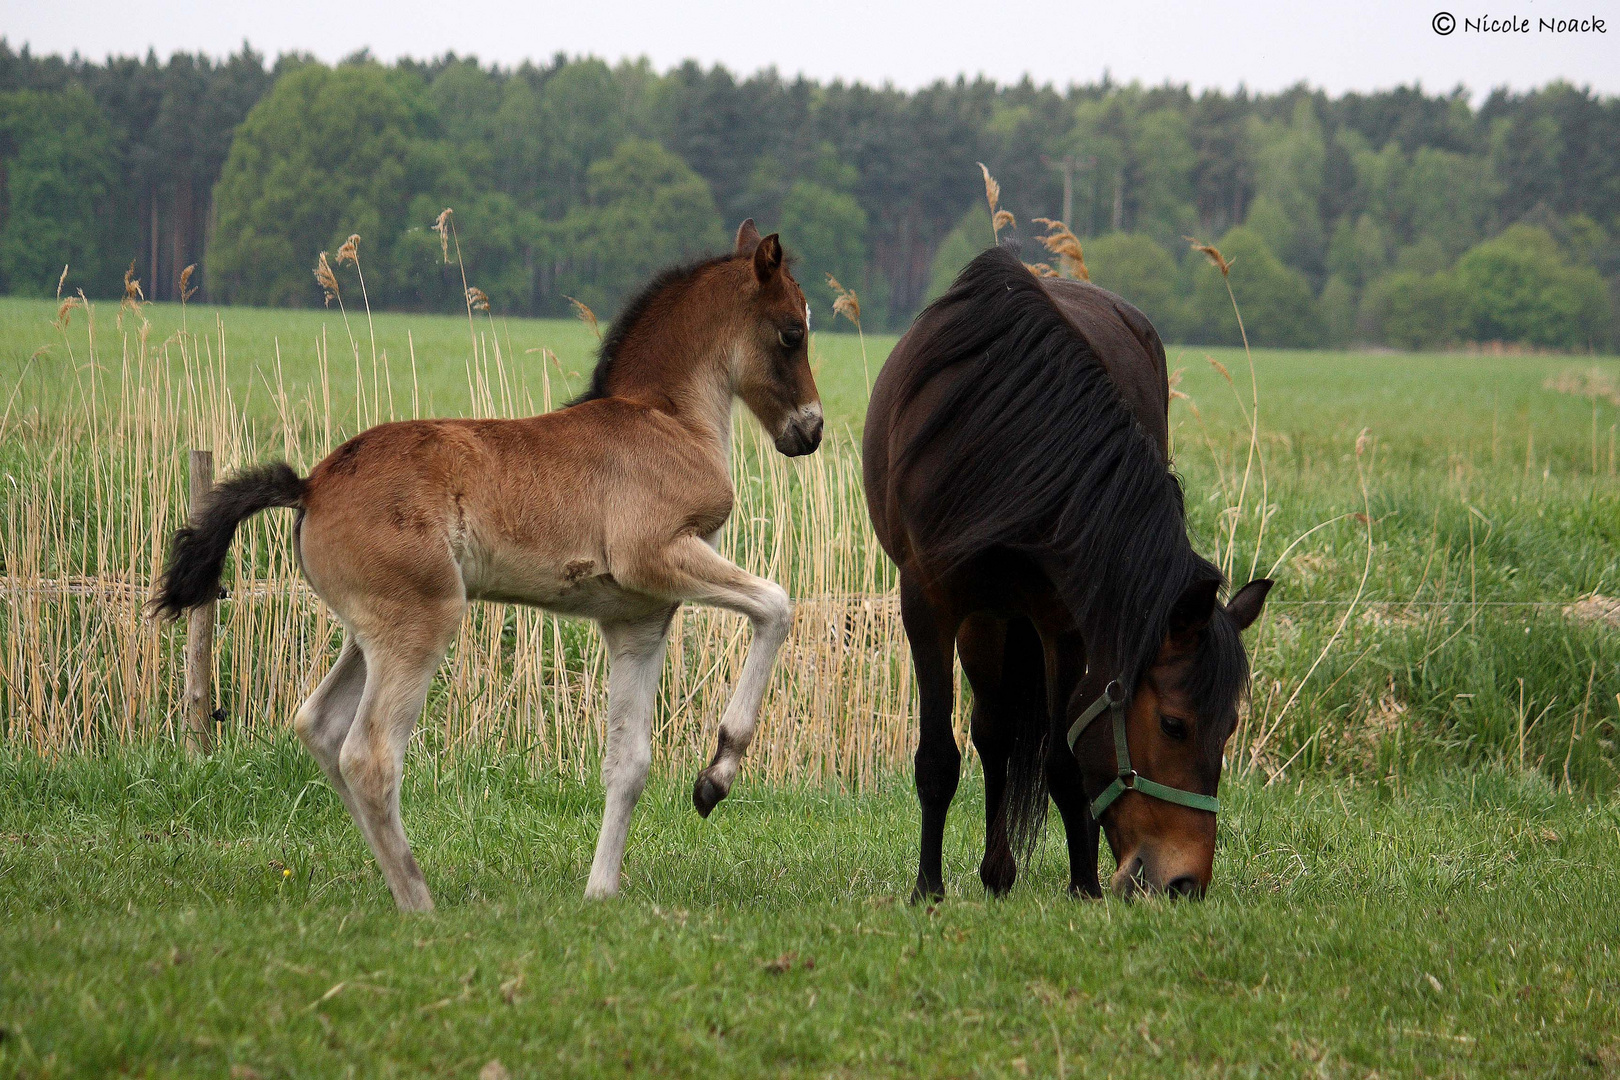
637, 651
324, 719
399, 670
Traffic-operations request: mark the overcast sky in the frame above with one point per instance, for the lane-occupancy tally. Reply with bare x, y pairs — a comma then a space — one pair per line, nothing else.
1263, 44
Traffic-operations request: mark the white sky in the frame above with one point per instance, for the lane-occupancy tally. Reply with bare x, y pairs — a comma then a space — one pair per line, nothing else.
1264, 44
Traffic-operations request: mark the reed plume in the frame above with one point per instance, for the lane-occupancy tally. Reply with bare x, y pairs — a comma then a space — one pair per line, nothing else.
999, 218
441, 225
1222, 263
1061, 241
327, 280
847, 304
584, 314
350, 251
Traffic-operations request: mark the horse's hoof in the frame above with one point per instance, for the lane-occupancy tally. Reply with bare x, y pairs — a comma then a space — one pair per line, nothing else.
927, 894
998, 877
706, 795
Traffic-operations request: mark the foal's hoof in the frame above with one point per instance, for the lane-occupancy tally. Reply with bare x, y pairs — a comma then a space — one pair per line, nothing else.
706, 794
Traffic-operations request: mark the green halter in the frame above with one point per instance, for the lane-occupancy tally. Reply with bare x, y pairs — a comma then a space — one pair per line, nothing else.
1113, 700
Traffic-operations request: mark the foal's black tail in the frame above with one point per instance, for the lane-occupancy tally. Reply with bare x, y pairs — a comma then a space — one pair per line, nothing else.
197, 554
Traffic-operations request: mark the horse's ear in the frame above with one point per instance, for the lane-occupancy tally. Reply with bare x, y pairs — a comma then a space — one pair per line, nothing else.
747, 238
1247, 603
1194, 609
768, 258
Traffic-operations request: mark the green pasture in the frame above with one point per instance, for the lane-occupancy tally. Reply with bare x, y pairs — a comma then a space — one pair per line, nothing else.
1415, 875
166, 918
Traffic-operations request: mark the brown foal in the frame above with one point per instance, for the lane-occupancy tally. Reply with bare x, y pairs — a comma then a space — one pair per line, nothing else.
608, 509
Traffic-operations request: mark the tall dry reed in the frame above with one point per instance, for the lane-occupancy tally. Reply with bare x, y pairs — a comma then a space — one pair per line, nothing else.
98, 484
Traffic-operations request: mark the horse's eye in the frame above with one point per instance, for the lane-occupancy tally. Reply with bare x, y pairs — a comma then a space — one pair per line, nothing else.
790, 337
1174, 727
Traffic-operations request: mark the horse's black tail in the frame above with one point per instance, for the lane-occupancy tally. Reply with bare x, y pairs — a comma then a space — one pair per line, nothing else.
1023, 677
197, 554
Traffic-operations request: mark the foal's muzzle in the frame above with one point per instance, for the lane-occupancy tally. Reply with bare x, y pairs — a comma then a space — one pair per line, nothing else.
802, 433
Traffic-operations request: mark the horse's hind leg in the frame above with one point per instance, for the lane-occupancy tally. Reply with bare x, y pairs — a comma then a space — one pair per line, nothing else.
637, 657
323, 720
938, 761
981, 643
399, 671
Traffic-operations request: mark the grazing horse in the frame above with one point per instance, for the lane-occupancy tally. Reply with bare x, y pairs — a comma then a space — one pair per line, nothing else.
1017, 472
607, 509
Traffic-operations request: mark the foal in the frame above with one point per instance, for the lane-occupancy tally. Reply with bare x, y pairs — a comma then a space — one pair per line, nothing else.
607, 509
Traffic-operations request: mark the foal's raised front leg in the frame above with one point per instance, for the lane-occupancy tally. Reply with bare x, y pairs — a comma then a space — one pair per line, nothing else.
690, 569
636, 650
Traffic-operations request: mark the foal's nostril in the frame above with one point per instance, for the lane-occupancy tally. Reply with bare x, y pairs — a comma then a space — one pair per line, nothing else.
1186, 886
812, 432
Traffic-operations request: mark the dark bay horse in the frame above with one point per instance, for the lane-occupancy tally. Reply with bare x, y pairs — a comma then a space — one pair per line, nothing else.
1017, 472
607, 509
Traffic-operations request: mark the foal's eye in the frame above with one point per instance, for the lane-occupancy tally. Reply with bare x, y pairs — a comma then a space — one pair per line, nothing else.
1174, 727
790, 337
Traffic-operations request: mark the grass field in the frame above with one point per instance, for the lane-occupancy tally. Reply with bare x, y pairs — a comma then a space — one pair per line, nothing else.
165, 918
1415, 876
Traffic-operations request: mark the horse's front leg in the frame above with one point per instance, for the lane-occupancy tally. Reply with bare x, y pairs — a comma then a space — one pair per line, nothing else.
938, 761
636, 653
689, 569
1081, 831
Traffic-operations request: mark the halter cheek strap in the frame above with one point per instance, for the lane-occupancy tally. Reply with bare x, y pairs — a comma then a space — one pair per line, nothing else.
1112, 701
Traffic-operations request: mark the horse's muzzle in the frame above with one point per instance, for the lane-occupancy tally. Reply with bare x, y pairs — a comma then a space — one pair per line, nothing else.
1136, 877
802, 434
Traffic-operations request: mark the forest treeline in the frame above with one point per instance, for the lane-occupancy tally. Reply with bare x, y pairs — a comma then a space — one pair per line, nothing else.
1395, 217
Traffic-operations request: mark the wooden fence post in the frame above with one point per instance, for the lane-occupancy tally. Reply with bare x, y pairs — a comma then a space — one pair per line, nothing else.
200, 628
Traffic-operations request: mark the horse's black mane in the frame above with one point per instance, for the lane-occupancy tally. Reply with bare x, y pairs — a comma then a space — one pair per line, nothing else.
631, 314
1037, 453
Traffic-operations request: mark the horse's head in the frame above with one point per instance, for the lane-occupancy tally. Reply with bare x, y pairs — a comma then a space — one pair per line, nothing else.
771, 357
1160, 820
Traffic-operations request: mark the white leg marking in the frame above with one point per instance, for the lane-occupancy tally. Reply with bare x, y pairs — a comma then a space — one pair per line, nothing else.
372, 761
324, 719
706, 577
637, 658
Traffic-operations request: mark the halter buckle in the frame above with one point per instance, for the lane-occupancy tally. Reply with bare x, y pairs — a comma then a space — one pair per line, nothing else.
1112, 701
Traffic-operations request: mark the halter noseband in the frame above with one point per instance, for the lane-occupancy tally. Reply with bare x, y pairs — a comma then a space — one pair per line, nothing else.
1113, 700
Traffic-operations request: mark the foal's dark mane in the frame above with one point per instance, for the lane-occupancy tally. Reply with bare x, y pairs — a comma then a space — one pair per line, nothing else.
634, 310
1034, 451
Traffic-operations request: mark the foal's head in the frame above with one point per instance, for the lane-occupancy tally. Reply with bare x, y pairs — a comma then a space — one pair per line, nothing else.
770, 360
1178, 719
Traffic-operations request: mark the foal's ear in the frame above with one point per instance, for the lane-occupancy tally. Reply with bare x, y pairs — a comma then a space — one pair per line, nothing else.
747, 238
767, 258
1247, 602
1195, 608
